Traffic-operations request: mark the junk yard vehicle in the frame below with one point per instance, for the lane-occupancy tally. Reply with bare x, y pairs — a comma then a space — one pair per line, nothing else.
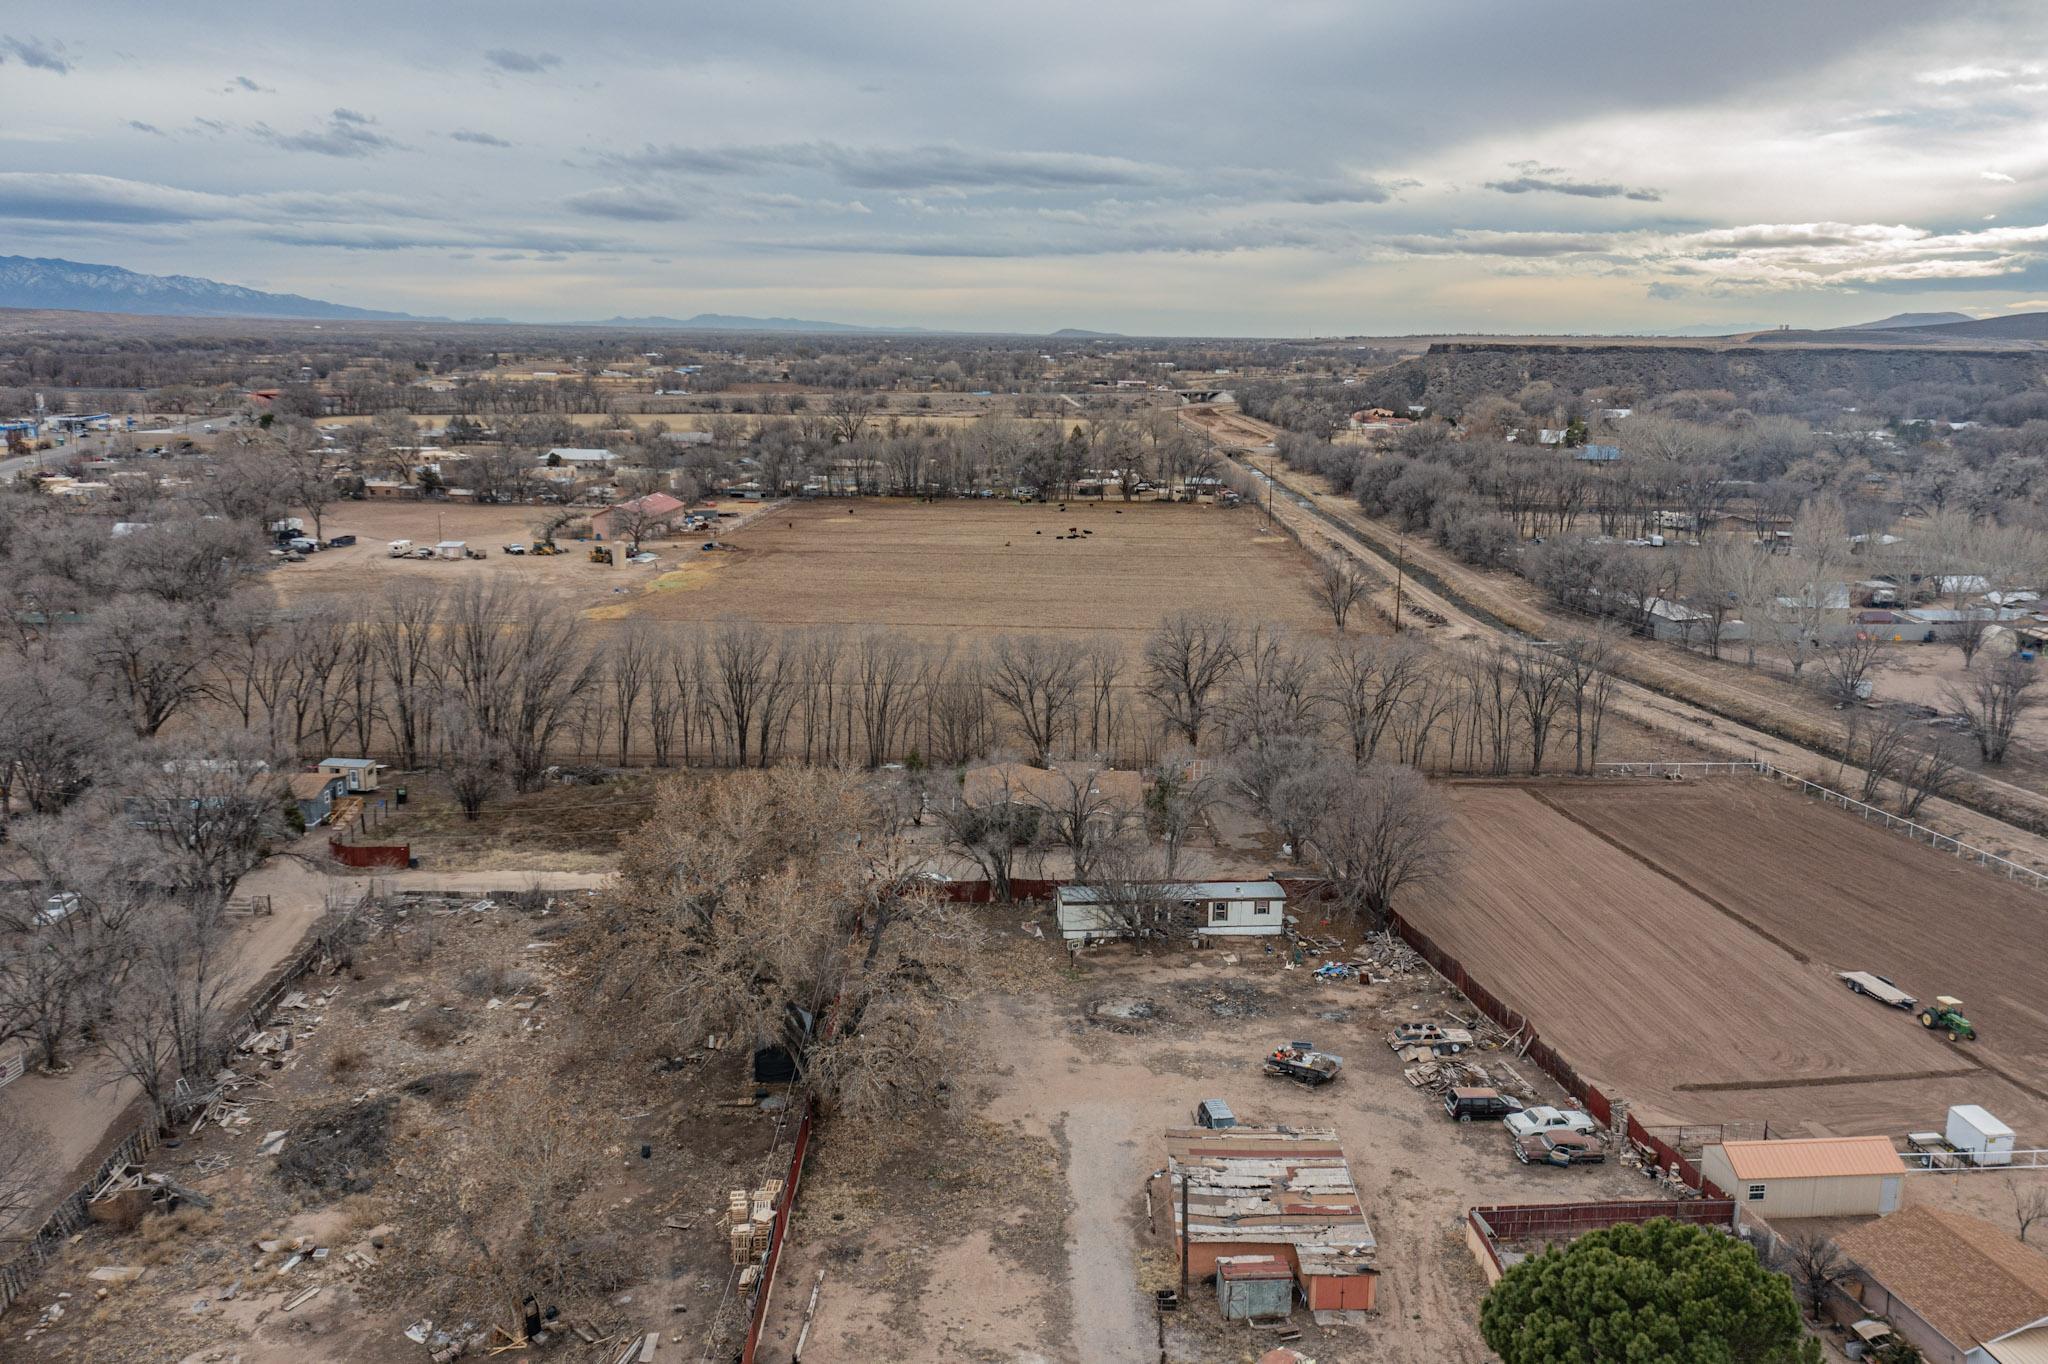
1432, 1037
1879, 988
1547, 1119
1467, 1104
1300, 1061
1559, 1148
1945, 1014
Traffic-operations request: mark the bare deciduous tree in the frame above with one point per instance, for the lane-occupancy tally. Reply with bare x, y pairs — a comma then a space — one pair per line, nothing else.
2029, 1202
1366, 680
1186, 660
1036, 678
994, 831
1341, 586
1814, 1262
1926, 774
777, 906
1382, 830
1993, 702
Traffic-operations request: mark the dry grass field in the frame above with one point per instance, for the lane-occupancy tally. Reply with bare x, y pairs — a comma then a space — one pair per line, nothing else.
959, 569
942, 571
1679, 946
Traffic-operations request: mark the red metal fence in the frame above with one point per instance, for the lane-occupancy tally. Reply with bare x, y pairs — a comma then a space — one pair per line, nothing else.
791, 1178
1547, 1056
1548, 1220
396, 855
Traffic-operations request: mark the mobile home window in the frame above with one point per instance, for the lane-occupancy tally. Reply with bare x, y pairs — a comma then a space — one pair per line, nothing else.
1262, 906
1756, 1193
1219, 911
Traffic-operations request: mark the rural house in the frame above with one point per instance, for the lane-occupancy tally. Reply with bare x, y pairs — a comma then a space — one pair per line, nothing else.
581, 457
654, 513
1962, 1290
1278, 1192
314, 793
357, 774
1221, 909
1809, 1176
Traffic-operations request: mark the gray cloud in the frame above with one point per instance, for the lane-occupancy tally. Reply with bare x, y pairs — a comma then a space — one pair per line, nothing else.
139, 126
1343, 192
45, 56
908, 168
1526, 245
476, 138
347, 134
626, 205
1582, 189
521, 63
245, 83
1103, 240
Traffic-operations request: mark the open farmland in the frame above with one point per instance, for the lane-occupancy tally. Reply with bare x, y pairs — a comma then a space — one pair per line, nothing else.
952, 570
1679, 946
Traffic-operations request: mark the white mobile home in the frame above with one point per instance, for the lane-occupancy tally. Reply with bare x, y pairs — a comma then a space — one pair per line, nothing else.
1210, 908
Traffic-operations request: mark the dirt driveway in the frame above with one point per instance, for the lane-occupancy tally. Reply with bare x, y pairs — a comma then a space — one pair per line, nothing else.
1102, 1087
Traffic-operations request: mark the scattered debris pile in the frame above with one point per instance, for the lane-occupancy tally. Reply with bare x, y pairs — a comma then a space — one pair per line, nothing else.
748, 1225
131, 1192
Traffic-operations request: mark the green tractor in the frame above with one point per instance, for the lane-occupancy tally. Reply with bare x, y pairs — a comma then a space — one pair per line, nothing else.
1946, 1015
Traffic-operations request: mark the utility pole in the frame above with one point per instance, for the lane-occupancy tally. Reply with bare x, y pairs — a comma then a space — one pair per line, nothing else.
1400, 571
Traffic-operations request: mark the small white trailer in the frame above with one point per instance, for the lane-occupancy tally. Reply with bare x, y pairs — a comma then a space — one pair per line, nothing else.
1983, 1139
1878, 988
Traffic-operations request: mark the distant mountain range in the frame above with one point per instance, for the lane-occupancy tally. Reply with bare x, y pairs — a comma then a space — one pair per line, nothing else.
40, 282
1903, 321
1920, 330
728, 322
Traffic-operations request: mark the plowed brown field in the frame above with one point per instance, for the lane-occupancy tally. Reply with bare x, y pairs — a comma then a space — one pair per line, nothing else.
1678, 944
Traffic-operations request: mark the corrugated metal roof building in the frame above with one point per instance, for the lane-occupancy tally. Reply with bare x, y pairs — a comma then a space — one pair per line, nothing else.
1278, 1191
1809, 1176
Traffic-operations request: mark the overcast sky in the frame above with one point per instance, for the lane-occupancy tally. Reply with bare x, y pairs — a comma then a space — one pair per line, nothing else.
1293, 167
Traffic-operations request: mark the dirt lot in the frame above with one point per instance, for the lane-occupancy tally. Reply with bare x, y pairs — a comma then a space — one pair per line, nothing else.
1679, 945
557, 828
941, 570
933, 570
984, 1274
357, 573
451, 1021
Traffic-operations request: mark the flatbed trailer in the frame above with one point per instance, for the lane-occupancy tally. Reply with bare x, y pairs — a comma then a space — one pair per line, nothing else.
1878, 988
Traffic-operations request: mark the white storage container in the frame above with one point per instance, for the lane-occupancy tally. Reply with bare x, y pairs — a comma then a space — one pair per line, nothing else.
1987, 1140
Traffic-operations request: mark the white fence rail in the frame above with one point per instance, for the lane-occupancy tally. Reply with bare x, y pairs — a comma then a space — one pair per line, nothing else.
1920, 833
1960, 1163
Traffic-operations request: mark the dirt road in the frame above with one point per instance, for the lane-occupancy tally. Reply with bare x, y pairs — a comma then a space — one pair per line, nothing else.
1474, 607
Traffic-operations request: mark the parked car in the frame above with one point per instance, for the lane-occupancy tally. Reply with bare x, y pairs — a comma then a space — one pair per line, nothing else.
1559, 1148
1418, 1034
1432, 1037
304, 544
1214, 1113
1545, 1118
1467, 1104
340, 541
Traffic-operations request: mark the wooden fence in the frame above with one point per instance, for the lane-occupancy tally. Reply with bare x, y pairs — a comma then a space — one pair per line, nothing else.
27, 1263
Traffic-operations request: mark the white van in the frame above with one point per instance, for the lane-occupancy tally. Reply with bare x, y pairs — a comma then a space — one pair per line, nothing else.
401, 548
